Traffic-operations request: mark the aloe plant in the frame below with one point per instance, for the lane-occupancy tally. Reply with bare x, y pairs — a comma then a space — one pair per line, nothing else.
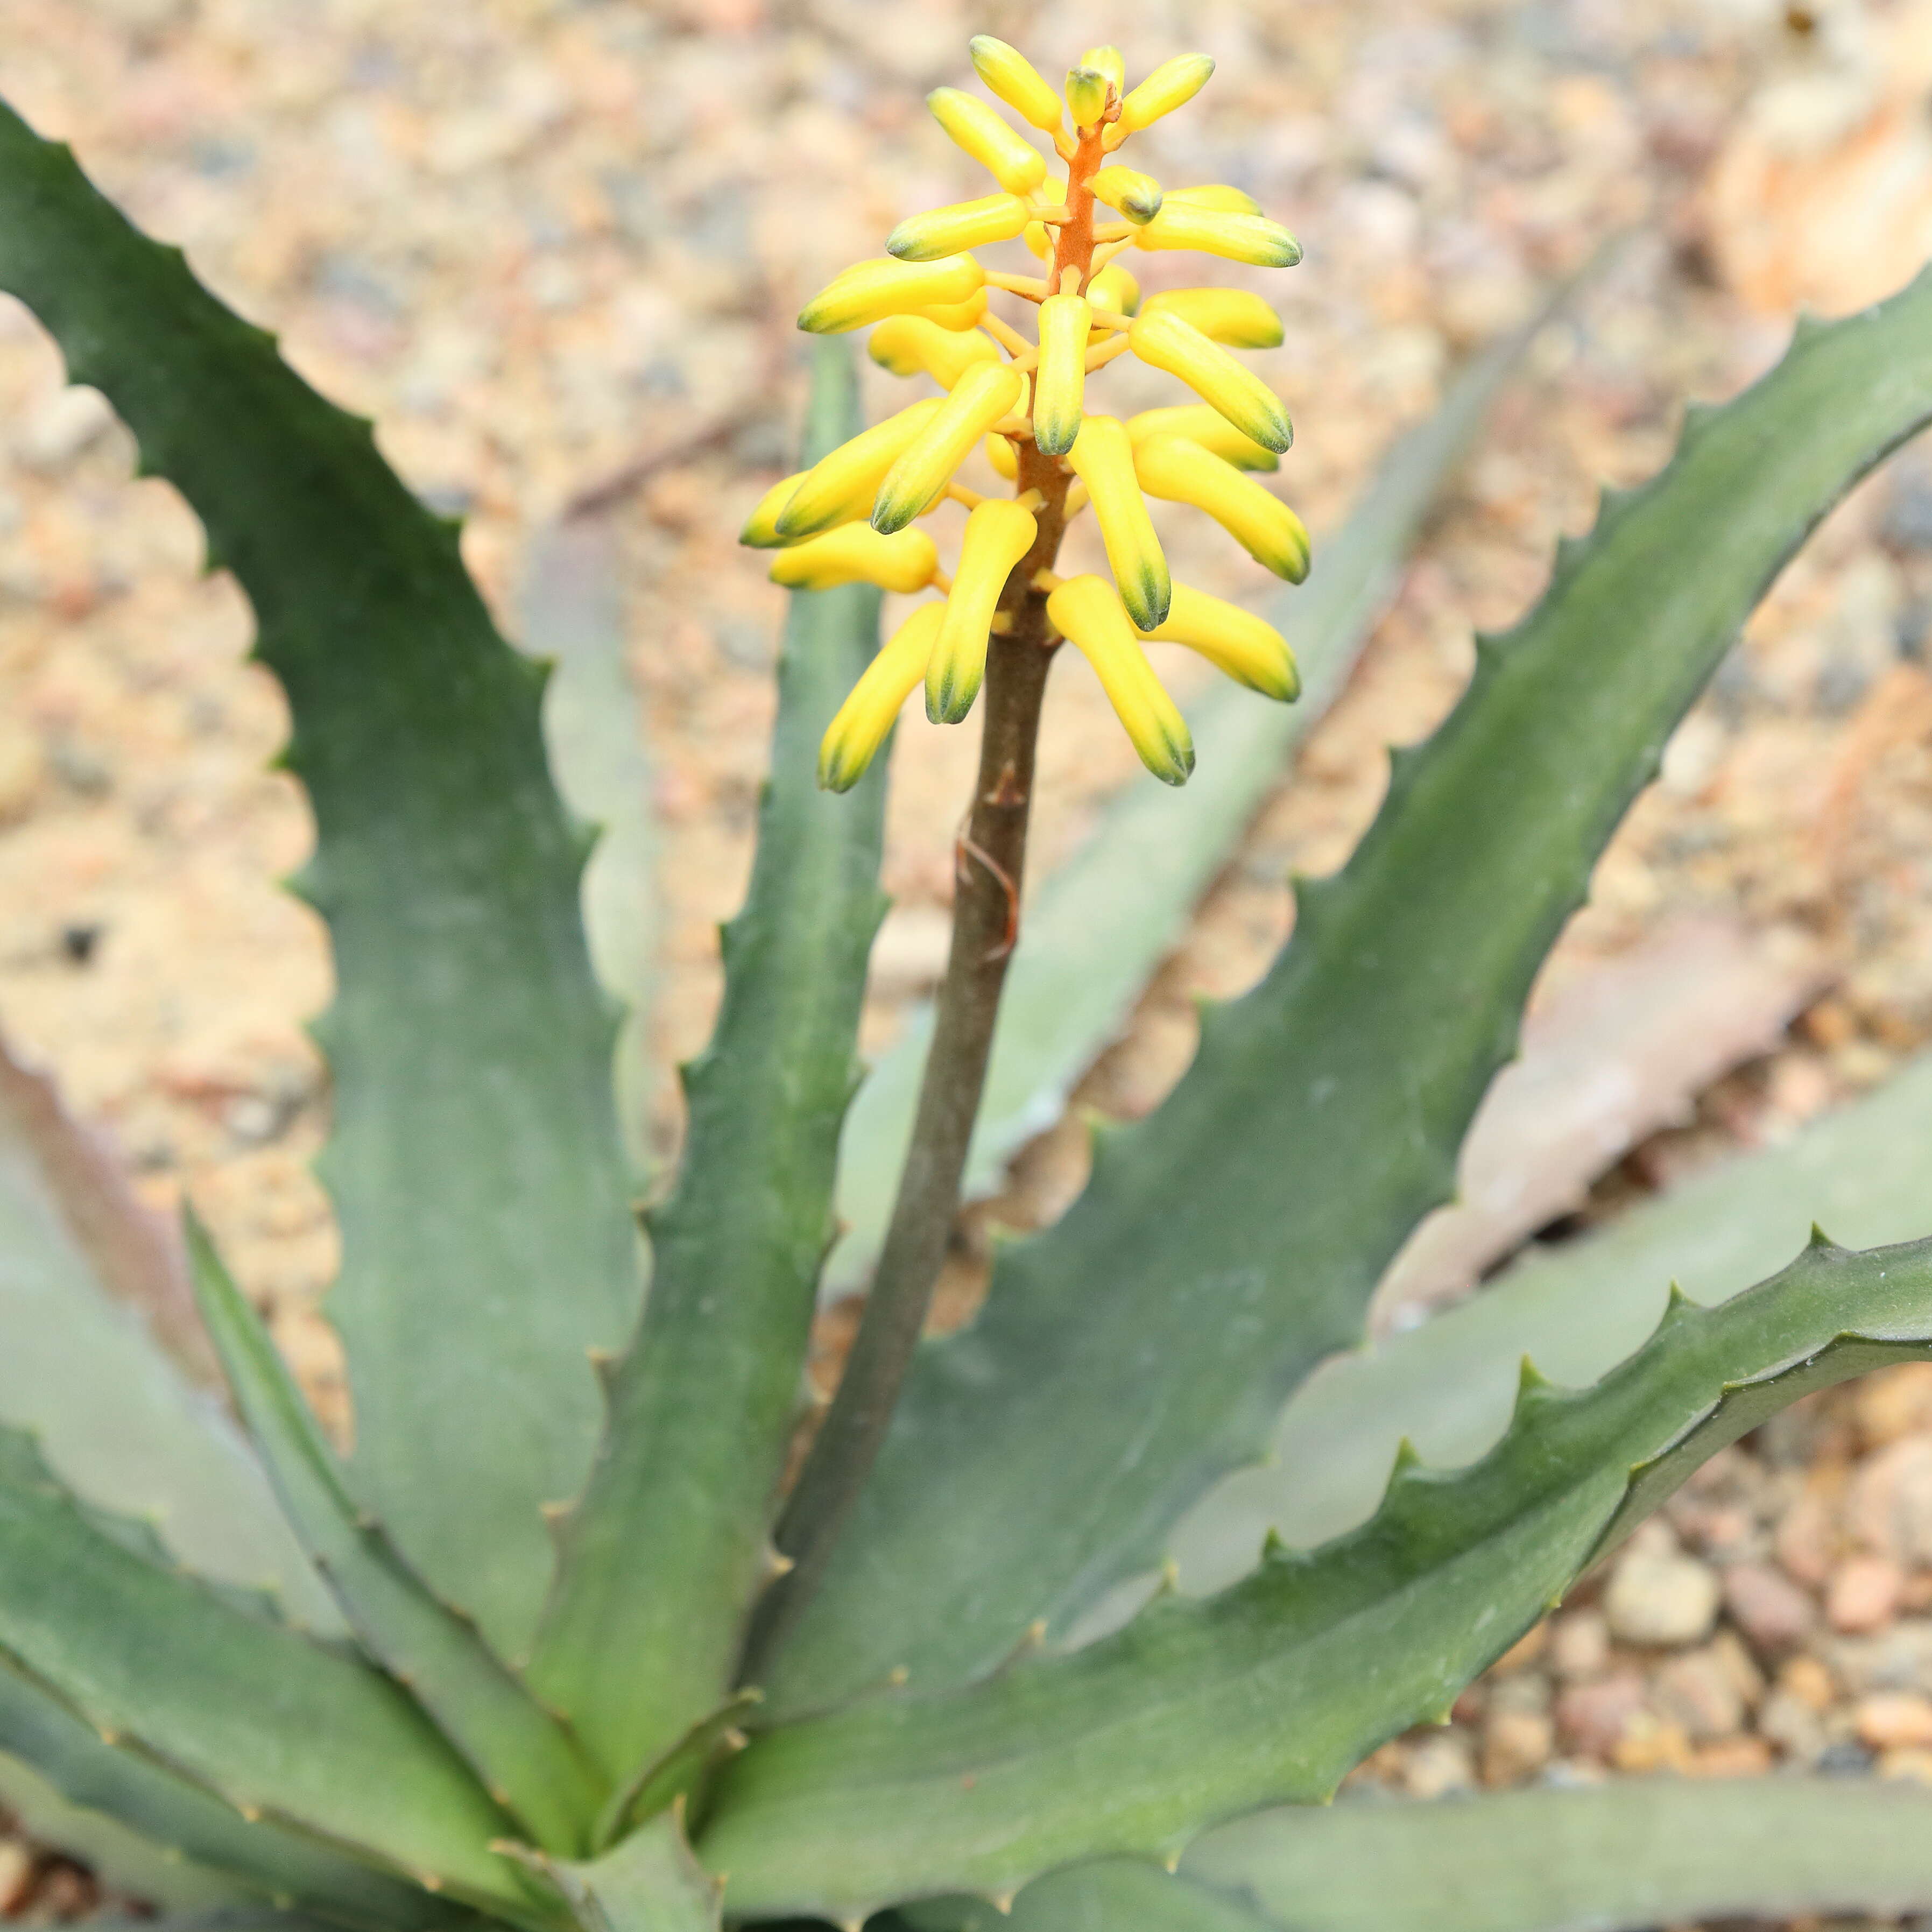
560, 1645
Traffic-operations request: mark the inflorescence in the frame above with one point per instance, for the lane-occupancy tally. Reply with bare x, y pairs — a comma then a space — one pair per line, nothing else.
850, 517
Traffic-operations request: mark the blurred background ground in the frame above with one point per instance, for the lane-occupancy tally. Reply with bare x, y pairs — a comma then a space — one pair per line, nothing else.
545, 245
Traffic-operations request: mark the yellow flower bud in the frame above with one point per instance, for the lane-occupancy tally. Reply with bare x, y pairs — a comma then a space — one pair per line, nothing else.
998, 534
1236, 317
1004, 458
840, 487
1103, 459
870, 291
1173, 84
1113, 288
1107, 61
1181, 472
965, 224
1010, 158
1087, 91
1234, 640
1164, 341
909, 345
857, 554
1009, 73
967, 314
1208, 427
872, 706
1217, 195
983, 395
1252, 238
1136, 195
760, 530
1084, 611
1064, 323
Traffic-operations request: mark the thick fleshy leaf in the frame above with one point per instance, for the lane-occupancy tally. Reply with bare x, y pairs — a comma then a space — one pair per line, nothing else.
650, 1882
476, 1166
1041, 1455
1201, 1709
669, 1545
1102, 1895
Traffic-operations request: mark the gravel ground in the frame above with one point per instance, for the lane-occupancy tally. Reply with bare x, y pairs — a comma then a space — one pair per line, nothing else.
538, 242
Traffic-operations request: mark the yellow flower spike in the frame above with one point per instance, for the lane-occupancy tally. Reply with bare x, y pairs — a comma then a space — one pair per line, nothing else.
1087, 92
998, 534
1217, 195
840, 487
983, 395
1113, 288
1252, 238
872, 706
1136, 195
909, 345
967, 314
1010, 158
940, 231
1164, 341
761, 526
1200, 423
1102, 458
1009, 73
1235, 316
1172, 467
1065, 322
1084, 611
857, 554
1173, 84
1004, 458
1250, 651
1107, 61
870, 291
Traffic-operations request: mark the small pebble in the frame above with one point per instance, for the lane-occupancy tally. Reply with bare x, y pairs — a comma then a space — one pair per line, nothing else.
1661, 1601
1579, 1645
16, 1874
1890, 1507
1438, 1765
1700, 1691
1593, 1717
1889, 1718
1772, 1610
1864, 1595
1516, 1745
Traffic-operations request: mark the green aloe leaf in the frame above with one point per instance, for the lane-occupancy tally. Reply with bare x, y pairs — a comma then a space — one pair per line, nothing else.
1040, 1456
523, 1755
1101, 923
663, 1555
1203, 1709
278, 1725
1102, 1895
650, 1882
475, 1166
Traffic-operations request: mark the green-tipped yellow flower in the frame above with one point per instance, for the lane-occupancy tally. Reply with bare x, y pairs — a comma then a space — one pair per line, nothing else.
998, 534
1233, 641
1164, 341
1113, 288
1136, 195
872, 706
986, 392
1236, 317
941, 232
967, 314
1217, 195
761, 526
857, 554
1088, 88
840, 487
909, 345
1010, 158
870, 291
1173, 84
1065, 322
1102, 457
1009, 73
1172, 467
1208, 427
1084, 611
1109, 61
1252, 238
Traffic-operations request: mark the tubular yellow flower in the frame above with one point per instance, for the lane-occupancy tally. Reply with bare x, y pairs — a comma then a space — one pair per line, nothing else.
1236, 317
983, 394
1010, 158
1109, 61
1217, 195
1136, 195
840, 487
1182, 472
761, 526
1084, 611
1065, 322
857, 554
1234, 640
1164, 341
1114, 288
1252, 238
941, 232
997, 535
1009, 73
1209, 428
870, 291
966, 314
872, 706
1087, 91
1173, 84
1102, 458
909, 345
